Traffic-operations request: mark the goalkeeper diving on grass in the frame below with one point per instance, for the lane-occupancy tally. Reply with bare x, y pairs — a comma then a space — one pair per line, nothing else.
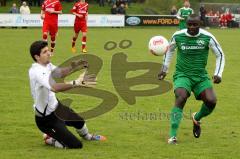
43, 89
193, 46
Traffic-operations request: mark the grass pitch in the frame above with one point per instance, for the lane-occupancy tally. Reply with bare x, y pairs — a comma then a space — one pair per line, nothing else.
130, 131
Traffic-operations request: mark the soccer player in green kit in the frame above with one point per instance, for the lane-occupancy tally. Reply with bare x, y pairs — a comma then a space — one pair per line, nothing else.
192, 46
183, 13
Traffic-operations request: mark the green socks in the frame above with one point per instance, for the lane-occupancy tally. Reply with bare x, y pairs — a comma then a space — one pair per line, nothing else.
175, 119
204, 111
177, 114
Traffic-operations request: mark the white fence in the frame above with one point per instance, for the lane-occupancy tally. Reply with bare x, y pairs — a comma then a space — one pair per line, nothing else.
65, 20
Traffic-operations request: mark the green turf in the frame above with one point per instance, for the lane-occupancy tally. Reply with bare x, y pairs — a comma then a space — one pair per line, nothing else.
134, 138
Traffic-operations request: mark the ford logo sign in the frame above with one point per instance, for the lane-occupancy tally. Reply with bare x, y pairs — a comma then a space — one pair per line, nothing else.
133, 20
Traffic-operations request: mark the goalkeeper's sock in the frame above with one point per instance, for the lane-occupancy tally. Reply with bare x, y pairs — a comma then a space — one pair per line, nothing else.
175, 119
83, 132
73, 41
52, 45
204, 111
84, 41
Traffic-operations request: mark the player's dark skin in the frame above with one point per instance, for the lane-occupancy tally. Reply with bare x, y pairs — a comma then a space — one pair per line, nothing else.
181, 95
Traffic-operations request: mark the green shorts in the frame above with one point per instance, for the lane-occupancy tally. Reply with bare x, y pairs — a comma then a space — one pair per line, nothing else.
193, 84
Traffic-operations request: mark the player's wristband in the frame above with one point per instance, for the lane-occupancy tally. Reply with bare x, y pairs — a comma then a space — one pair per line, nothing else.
73, 83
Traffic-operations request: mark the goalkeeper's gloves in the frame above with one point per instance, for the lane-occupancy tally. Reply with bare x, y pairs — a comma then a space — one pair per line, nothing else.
84, 80
78, 65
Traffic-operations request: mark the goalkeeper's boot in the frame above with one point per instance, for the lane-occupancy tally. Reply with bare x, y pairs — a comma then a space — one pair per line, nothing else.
93, 137
196, 127
84, 50
74, 49
98, 137
172, 140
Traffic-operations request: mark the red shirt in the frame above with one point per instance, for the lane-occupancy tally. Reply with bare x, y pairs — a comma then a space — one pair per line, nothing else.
80, 8
53, 5
223, 17
229, 17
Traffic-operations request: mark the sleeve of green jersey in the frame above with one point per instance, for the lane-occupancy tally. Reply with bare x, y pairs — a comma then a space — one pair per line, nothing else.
168, 56
220, 58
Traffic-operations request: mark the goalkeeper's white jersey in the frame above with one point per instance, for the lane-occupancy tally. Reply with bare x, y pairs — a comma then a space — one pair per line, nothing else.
45, 101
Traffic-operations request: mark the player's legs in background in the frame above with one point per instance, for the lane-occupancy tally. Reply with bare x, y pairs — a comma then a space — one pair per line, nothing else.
53, 43
84, 42
209, 102
45, 30
84, 37
44, 36
53, 33
74, 38
225, 23
181, 95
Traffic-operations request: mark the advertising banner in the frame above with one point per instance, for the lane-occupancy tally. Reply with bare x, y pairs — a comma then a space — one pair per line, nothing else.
64, 20
151, 20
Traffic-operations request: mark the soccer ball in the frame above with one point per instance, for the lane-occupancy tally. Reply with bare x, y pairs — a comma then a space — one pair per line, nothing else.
158, 45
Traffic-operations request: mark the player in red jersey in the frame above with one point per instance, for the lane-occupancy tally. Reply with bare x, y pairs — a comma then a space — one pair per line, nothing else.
223, 20
49, 15
80, 9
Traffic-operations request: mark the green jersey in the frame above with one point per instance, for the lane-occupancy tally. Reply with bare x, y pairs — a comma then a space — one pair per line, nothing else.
182, 15
192, 53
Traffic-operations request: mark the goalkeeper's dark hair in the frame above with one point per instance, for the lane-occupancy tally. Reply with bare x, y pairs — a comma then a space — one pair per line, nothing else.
36, 47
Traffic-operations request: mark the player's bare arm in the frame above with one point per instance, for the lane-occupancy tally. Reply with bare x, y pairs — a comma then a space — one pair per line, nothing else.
57, 12
42, 14
52, 11
84, 80
78, 15
65, 71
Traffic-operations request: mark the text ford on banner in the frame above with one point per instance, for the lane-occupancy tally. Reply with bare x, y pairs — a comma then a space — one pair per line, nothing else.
151, 20
65, 20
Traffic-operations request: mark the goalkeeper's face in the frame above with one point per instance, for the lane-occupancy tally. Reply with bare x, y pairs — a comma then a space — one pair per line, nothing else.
44, 57
193, 26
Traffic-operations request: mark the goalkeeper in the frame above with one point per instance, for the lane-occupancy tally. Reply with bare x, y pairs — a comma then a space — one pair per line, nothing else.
46, 105
192, 46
